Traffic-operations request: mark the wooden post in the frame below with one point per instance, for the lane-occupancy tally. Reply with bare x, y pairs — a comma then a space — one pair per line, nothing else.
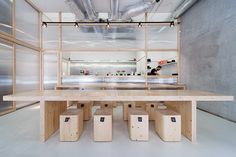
59, 53
187, 110
146, 47
14, 50
178, 50
49, 117
41, 66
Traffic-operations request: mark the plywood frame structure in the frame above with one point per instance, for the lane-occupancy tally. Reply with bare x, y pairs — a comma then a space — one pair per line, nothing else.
60, 50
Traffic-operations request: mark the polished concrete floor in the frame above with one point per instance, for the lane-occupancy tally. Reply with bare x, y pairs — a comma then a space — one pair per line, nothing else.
19, 136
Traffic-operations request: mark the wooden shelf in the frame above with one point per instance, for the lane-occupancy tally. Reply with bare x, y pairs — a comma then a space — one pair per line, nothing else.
73, 76
162, 76
102, 62
172, 63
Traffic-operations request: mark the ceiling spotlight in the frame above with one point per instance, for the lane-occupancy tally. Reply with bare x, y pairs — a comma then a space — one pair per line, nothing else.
108, 25
76, 25
44, 25
172, 24
139, 25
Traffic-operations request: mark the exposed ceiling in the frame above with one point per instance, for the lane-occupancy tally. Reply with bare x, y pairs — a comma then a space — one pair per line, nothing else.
167, 6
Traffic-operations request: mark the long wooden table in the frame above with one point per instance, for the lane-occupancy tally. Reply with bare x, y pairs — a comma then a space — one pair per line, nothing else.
53, 103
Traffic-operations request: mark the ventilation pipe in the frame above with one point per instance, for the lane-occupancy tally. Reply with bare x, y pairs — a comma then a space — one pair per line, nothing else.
182, 8
91, 13
138, 9
114, 9
79, 15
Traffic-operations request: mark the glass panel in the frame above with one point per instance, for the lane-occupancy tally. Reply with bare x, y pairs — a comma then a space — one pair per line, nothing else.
6, 16
162, 37
6, 60
47, 17
50, 70
51, 33
100, 37
27, 71
167, 61
51, 37
27, 23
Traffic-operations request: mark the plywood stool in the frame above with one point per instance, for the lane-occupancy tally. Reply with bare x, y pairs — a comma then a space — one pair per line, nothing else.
126, 106
107, 104
87, 108
168, 125
140, 105
138, 124
150, 109
102, 125
71, 125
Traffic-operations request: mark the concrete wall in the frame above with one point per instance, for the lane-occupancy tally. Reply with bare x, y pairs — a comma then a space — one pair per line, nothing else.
208, 52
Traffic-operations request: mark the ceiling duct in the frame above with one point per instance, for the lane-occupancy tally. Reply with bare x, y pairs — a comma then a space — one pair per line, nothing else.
137, 9
89, 8
114, 9
79, 15
182, 8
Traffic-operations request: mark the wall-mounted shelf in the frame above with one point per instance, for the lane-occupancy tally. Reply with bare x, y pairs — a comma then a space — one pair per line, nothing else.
102, 62
162, 76
172, 63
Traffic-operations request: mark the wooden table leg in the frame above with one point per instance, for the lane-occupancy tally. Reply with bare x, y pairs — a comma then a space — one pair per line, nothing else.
49, 117
187, 110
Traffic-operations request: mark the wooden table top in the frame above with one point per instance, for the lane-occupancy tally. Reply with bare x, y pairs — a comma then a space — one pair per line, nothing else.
117, 95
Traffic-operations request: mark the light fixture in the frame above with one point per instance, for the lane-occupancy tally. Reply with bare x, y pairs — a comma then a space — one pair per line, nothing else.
172, 24
44, 25
108, 25
139, 24
76, 25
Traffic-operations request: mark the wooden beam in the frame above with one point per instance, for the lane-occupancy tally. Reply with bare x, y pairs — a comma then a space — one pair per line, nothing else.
6, 112
108, 50
19, 42
33, 6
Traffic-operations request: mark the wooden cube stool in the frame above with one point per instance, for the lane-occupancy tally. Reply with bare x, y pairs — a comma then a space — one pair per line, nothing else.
126, 106
71, 125
107, 104
168, 125
150, 109
138, 124
87, 108
102, 125
140, 105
